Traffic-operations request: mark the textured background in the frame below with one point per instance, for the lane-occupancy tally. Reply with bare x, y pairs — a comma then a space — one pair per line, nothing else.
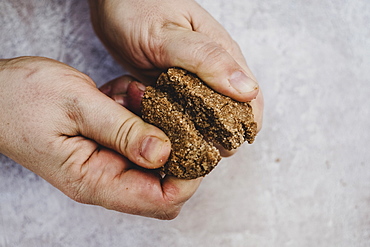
306, 180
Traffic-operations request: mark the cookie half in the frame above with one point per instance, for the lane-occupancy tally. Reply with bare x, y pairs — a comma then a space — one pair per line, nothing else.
191, 156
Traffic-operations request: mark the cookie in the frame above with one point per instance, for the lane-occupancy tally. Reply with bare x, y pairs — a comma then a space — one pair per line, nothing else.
195, 117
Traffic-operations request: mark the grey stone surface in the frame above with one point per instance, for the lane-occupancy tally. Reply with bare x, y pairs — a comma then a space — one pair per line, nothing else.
304, 182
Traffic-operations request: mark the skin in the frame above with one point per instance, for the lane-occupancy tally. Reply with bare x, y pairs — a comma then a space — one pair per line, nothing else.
55, 122
147, 38
63, 128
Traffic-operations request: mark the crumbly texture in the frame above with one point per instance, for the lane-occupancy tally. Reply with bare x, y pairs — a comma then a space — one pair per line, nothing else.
219, 118
191, 155
195, 117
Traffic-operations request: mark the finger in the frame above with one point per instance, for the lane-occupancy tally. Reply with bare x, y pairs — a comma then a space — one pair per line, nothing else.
257, 106
215, 31
201, 55
143, 193
135, 93
110, 181
126, 91
117, 86
223, 151
101, 119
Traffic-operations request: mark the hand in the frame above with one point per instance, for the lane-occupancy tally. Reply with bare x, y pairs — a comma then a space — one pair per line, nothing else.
55, 122
149, 36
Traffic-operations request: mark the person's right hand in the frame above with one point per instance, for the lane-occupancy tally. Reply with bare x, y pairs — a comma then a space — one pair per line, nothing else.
55, 122
148, 37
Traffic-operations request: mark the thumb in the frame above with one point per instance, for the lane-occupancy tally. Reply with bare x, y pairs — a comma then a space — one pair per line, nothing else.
199, 54
113, 126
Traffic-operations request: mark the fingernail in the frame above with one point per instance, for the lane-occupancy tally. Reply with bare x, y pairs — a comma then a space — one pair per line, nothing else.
140, 86
242, 83
154, 150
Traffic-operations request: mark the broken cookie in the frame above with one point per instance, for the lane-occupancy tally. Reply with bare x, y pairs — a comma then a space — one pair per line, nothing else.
194, 117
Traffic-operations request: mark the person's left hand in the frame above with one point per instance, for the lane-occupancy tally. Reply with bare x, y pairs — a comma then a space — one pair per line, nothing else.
55, 122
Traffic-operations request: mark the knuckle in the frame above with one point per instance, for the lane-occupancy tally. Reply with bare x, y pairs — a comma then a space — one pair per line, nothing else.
209, 53
157, 46
77, 196
171, 215
77, 183
85, 191
77, 191
128, 132
173, 202
168, 212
